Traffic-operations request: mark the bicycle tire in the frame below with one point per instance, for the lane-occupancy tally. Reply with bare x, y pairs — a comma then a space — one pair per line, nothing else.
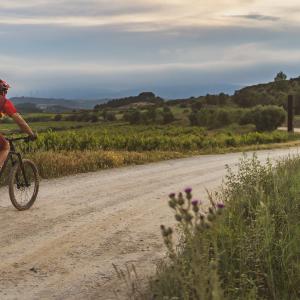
15, 171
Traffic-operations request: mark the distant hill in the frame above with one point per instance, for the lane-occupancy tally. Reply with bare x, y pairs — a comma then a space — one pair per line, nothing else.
143, 99
275, 92
272, 93
45, 103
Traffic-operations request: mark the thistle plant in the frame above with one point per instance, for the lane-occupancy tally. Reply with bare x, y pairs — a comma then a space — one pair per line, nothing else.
191, 217
195, 253
248, 251
190, 213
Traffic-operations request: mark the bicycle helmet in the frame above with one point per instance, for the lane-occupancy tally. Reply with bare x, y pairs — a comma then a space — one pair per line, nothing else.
4, 86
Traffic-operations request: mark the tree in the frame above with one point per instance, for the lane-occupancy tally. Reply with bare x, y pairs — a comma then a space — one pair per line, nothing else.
280, 76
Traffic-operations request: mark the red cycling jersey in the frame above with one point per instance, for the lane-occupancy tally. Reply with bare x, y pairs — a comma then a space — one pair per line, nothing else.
6, 106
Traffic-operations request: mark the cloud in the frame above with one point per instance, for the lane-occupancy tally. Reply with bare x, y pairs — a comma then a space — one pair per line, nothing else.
125, 44
137, 15
258, 17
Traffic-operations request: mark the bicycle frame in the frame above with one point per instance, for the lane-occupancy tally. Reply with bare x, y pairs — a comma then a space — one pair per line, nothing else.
13, 153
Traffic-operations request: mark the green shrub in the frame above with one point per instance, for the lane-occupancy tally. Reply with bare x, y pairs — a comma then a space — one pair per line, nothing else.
216, 117
265, 118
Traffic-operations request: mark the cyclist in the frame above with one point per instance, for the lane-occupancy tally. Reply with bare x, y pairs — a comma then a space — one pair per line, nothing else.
7, 108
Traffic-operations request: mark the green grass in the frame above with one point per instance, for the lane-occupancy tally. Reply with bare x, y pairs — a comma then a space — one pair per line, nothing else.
249, 250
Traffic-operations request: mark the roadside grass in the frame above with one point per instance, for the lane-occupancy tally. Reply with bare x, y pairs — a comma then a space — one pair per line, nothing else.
248, 250
53, 164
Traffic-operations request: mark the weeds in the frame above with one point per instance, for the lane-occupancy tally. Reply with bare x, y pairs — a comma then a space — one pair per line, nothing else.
248, 249
133, 283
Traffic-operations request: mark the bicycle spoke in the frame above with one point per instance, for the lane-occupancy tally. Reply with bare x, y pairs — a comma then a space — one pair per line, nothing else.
24, 193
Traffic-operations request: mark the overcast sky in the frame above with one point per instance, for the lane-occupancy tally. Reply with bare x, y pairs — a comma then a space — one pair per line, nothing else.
107, 48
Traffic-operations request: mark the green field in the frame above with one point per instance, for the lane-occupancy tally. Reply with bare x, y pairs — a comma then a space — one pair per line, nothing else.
104, 144
121, 136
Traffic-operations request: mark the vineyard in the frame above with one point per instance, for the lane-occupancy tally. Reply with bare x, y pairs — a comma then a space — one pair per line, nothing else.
70, 147
149, 138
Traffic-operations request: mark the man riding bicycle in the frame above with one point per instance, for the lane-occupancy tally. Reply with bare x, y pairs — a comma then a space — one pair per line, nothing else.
7, 108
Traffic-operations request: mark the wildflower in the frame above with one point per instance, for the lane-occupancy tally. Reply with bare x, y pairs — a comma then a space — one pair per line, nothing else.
188, 190
195, 202
220, 205
172, 195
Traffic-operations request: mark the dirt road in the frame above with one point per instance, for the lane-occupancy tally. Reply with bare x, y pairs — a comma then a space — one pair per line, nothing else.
64, 247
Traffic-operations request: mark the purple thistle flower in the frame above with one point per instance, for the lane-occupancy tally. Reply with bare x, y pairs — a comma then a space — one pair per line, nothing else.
188, 190
195, 202
220, 205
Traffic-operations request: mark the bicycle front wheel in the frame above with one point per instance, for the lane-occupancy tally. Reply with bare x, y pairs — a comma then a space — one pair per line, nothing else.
23, 192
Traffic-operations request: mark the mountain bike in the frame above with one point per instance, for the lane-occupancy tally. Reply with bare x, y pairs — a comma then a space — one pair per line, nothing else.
23, 178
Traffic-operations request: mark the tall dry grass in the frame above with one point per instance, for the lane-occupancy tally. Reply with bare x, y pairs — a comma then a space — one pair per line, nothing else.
55, 164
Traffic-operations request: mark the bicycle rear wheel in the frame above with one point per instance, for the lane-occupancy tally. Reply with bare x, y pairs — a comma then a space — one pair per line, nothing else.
23, 195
